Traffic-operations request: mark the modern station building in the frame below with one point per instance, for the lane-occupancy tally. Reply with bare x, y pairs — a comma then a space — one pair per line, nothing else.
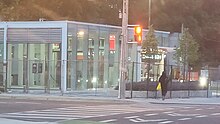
71, 55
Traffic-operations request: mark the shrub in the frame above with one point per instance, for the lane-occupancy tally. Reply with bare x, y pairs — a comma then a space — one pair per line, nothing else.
174, 86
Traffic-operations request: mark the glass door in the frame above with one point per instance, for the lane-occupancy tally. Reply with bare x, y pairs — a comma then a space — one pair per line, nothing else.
17, 65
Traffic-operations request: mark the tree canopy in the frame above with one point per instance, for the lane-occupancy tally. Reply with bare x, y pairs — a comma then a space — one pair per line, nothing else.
150, 44
202, 17
187, 52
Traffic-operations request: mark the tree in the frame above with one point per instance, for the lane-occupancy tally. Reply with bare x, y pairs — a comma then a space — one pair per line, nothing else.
150, 43
149, 49
187, 52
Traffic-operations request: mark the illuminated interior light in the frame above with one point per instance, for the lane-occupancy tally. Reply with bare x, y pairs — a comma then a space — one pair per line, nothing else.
81, 33
203, 81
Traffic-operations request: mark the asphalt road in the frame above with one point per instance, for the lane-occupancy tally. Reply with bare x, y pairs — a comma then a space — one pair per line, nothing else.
108, 112
171, 114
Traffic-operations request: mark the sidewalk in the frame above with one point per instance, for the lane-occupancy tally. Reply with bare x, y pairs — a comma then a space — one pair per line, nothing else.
10, 121
191, 100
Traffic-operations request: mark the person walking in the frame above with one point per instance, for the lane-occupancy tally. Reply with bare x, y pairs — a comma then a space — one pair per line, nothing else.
163, 80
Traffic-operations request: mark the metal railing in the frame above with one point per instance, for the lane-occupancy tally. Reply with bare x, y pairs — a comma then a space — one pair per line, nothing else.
88, 77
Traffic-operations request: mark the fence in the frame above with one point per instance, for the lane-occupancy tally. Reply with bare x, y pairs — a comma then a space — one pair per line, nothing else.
88, 77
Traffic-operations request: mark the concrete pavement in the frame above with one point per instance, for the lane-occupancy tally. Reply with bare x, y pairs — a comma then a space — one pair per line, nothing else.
9, 121
187, 101
201, 101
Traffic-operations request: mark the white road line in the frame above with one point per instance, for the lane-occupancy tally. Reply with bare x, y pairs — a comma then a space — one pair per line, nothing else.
215, 114
151, 114
43, 115
36, 117
177, 114
201, 116
184, 110
99, 109
183, 119
107, 121
166, 122
3, 102
134, 120
76, 112
156, 120
199, 109
130, 117
168, 112
210, 108
187, 107
27, 103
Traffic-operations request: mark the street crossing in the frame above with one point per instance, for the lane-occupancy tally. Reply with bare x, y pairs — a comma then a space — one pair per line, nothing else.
78, 112
106, 113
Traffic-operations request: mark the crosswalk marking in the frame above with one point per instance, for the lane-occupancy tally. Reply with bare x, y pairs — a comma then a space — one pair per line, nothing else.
198, 109
184, 119
131, 117
215, 114
168, 112
211, 108
80, 112
151, 114
201, 116
166, 122
107, 121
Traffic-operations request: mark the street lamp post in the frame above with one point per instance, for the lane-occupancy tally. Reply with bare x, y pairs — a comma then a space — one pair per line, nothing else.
149, 16
123, 56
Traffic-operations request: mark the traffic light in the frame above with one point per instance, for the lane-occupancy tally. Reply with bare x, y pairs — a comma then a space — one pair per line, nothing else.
138, 34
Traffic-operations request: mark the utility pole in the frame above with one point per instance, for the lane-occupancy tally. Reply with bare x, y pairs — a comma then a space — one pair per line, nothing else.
149, 16
123, 57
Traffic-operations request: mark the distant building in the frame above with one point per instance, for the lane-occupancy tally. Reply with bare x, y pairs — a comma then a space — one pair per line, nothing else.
71, 55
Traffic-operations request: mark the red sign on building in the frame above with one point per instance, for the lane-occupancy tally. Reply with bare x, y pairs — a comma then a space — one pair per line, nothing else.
112, 42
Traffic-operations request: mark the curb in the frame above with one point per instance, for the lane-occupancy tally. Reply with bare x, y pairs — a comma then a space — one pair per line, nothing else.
62, 98
178, 103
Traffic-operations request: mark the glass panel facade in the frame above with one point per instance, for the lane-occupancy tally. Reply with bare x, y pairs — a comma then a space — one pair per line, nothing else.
34, 65
114, 59
93, 57
81, 59
92, 65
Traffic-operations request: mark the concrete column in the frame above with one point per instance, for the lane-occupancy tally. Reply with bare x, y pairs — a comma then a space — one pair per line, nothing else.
134, 59
64, 59
73, 59
42, 60
9, 66
138, 66
49, 68
116, 59
5, 64
31, 60
85, 61
106, 61
20, 65
52, 67
96, 61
